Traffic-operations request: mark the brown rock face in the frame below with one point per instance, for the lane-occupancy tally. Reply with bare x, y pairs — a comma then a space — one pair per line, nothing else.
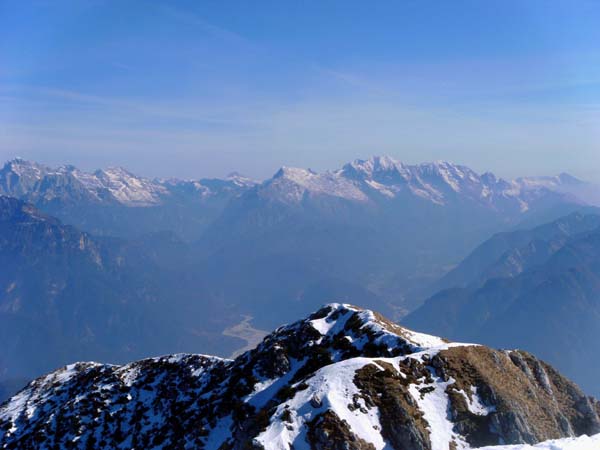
328, 432
521, 399
532, 402
403, 425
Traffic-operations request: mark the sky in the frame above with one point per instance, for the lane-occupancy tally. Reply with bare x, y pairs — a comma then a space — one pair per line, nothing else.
202, 88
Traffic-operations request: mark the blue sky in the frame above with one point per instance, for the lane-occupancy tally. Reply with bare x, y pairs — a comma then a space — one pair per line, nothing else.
201, 88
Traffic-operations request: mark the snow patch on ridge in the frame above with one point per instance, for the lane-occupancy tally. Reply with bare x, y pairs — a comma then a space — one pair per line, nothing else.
331, 388
578, 443
475, 405
434, 403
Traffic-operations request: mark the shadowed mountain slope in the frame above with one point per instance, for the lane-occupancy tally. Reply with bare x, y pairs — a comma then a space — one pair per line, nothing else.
65, 294
546, 292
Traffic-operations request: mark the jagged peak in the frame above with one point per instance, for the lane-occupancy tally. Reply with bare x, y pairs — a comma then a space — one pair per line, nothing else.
336, 332
384, 163
238, 176
67, 168
389, 170
21, 161
117, 171
373, 165
446, 167
294, 173
22, 166
332, 319
308, 384
290, 184
439, 163
378, 162
363, 180
240, 179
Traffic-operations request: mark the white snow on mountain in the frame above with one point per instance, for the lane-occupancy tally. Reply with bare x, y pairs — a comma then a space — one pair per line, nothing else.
360, 181
290, 185
276, 395
439, 182
240, 180
579, 443
35, 182
331, 388
129, 189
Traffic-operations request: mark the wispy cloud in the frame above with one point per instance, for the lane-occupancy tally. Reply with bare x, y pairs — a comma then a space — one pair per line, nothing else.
191, 18
320, 133
184, 110
354, 80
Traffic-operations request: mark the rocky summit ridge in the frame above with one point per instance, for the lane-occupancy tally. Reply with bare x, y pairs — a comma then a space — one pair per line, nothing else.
342, 378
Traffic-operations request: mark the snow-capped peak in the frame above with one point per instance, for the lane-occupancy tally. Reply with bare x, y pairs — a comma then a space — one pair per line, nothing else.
37, 183
129, 189
294, 173
380, 330
240, 179
343, 377
373, 165
24, 168
291, 185
383, 177
378, 178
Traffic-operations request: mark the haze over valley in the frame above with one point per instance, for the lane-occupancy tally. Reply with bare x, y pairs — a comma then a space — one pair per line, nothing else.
181, 265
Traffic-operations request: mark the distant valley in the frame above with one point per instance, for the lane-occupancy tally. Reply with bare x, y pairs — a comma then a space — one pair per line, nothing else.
110, 266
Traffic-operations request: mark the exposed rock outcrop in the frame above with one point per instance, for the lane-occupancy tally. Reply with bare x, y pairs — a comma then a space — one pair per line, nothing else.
344, 378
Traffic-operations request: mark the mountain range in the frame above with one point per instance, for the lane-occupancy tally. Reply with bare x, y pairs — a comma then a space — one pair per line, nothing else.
65, 190
375, 229
115, 202
378, 226
343, 378
113, 267
541, 284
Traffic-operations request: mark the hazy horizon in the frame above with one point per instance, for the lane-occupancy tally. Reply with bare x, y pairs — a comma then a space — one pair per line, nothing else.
90, 169
202, 89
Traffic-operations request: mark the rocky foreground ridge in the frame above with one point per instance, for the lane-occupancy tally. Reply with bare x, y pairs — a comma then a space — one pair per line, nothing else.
343, 378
